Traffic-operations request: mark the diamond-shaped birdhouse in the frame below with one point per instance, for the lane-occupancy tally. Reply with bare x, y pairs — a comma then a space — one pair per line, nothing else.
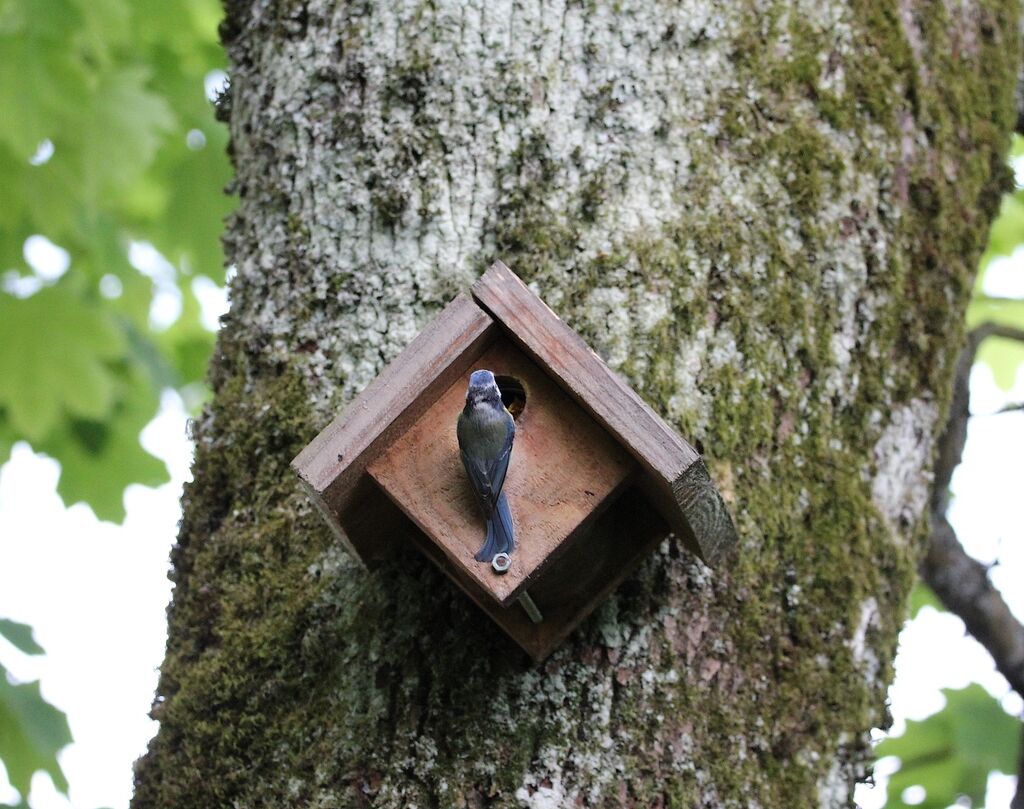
595, 478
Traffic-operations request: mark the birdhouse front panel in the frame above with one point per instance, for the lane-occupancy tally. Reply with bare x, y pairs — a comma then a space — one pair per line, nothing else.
563, 471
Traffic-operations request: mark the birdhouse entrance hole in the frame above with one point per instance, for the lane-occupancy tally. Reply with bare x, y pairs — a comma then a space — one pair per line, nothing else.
513, 394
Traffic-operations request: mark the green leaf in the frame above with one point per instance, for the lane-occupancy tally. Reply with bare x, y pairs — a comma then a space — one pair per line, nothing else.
1007, 311
53, 362
922, 596
122, 131
99, 459
1004, 357
187, 344
1008, 228
7, 439
1016, 146
42, 84
952, 752
20, 636
105, 25
32, 732
115, 86
188, 231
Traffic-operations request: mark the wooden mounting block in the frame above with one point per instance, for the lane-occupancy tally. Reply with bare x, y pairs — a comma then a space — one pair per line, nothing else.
595, 481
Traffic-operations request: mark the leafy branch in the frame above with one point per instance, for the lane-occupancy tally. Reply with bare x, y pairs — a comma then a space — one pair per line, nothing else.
107, 140
32, 731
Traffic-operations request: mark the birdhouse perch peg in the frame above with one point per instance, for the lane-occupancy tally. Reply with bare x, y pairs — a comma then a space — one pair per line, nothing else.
592, 480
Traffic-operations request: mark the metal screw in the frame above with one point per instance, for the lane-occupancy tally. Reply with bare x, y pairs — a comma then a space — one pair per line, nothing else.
501, 562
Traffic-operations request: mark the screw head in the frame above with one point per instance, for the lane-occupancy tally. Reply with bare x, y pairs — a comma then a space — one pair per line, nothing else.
501, 562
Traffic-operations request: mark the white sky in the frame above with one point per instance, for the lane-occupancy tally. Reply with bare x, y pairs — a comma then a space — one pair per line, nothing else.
96, 593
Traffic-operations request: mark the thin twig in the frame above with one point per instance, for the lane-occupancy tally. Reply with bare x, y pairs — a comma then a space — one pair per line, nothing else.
1010, 408
983, 298
986, 330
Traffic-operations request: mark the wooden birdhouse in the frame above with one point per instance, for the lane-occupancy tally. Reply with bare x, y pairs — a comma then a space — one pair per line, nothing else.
595, 481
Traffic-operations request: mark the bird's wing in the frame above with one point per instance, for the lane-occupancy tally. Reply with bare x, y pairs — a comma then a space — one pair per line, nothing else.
486, 475
498, 468
478, 476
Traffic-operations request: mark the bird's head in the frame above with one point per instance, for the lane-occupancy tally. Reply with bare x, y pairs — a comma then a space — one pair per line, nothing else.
482, 379
482, 388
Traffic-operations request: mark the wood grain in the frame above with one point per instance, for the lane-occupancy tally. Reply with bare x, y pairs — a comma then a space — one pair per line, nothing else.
706, 513
563, 471
619, 540
661, 452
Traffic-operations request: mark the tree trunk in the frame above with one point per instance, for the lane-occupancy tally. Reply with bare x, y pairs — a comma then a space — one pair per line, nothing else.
765, 216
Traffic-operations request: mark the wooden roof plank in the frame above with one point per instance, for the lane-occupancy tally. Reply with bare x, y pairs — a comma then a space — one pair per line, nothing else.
333, 462
675, 467
584, 374
615, 405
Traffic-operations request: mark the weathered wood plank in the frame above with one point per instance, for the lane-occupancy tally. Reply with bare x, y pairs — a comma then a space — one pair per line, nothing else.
332, 464
706, 513
583, 373
619, 540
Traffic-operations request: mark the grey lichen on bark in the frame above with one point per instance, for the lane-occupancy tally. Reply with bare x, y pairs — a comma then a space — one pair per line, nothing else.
764, 215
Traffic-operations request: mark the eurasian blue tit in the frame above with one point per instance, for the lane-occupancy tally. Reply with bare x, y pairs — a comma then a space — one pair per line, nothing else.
485, 432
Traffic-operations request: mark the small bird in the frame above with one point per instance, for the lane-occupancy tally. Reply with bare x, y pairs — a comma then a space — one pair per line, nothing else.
485, 432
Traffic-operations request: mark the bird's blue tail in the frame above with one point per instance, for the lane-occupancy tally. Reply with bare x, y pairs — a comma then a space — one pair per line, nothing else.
501, 537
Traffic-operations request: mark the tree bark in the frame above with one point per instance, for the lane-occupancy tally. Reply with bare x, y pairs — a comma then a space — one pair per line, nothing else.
765, 216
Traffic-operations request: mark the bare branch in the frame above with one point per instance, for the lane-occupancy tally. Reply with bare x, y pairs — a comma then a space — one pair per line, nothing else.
960, 582
963, 585
986, 330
